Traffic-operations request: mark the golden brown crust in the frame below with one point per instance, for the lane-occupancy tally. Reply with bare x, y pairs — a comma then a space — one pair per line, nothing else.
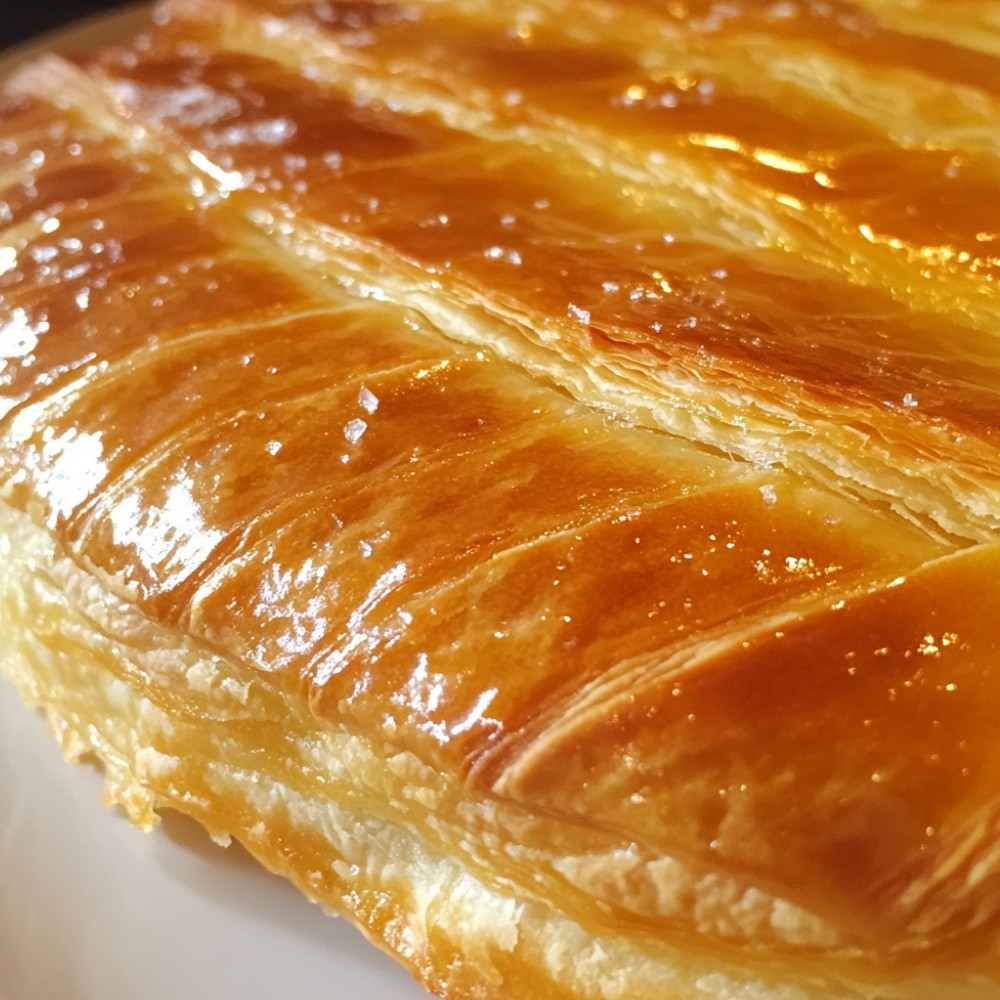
590, 427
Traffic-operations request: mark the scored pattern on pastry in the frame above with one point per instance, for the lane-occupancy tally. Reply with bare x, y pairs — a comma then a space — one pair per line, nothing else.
590, 409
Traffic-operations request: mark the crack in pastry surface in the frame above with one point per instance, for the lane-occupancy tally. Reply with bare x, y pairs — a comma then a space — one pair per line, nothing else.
637, 365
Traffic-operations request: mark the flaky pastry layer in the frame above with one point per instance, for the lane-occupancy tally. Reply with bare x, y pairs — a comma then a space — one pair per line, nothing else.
538, 464
359, 828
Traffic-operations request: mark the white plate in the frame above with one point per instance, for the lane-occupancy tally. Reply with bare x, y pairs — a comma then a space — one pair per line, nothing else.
92, 909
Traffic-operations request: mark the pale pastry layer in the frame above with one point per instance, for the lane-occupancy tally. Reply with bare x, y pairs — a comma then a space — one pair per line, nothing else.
183, 681
538, 463
175, 726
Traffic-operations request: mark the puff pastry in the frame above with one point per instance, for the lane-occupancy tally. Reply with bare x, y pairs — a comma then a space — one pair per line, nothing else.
529, 472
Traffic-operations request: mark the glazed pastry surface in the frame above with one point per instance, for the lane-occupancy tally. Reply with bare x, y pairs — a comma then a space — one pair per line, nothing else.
533, 461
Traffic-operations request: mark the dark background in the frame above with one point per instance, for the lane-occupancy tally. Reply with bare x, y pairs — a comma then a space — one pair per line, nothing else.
21, 20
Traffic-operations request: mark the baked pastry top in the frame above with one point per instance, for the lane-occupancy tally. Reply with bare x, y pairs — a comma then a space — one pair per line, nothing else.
529, 472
